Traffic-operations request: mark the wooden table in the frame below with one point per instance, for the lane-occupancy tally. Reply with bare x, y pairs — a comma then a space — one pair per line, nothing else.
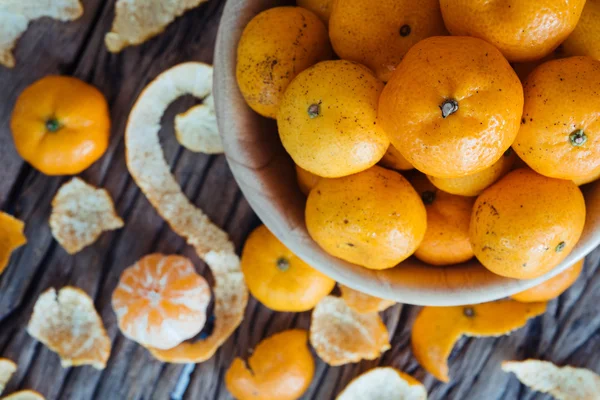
568, 333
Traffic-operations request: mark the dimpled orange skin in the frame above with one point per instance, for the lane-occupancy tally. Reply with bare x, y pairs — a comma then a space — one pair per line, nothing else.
553, 287
433, 73
562, 97
522, 30
374, 218
327, 119
278, 278
473, 185
80, 115
526, 224
393, 159
280, 368
446, 240
306, 180
275, 46
320, 7
377, 33
585, 39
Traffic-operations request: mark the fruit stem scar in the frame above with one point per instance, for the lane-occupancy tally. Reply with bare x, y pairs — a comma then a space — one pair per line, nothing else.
283, 264
405, 30
314, 110
52, 125
449, 107
428, 197
578, 137
560, 247
469, 312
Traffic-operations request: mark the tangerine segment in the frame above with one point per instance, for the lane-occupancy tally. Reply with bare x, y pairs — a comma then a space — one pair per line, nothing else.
566, 383
436, 329
147, 165
341, 335
80, 213
553, 287
24, 395
362, 302
452, 107
138, 20
11, 238
161, 301
280, 368
384, 383
278, 278
68, 324
230, 298
7, 369
560, 129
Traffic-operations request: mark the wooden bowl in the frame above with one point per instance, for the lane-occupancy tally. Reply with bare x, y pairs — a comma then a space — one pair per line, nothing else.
265, 173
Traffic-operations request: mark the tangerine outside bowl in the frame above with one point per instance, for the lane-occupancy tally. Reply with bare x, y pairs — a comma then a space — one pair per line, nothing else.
266, 175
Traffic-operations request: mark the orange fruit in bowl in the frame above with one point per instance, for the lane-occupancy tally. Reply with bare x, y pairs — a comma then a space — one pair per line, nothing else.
278, 278
275, 46
474, 184
560, 129
306, 180
522, 30
393, 159
60, 125
452, 107
377, 33
585, 39
374, 218
327, 119
281, 367
161, 301
553, 287
446, 240
526, 224
322, 8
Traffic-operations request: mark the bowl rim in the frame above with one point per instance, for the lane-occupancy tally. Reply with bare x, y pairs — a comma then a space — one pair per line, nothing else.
265, 175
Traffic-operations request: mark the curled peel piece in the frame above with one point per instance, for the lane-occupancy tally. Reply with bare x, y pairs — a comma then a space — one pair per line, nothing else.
362, 302
15, 16
80, 213
151, 172
566, 383
341, 335
384, 383
436, 329
7, 369
138, 20
11, 238
197, 130
68, 324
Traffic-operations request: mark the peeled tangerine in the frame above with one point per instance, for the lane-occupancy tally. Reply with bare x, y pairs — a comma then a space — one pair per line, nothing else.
327, 119
384, 383
280, 368
526, 224
452, 107
373, 218
362, 302
437, 329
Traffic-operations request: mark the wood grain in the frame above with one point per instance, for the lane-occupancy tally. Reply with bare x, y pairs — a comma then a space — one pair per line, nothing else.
567, 333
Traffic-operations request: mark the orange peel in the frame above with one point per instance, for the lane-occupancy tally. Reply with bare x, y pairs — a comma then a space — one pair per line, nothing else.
15, 16
197, 130
25, 395
139, 20
11, 238
341, 335
80, 214
566, 383
7, 369
281, 367
384, 383
147, 165
362, 302
437, 329
68, 324
161, 301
